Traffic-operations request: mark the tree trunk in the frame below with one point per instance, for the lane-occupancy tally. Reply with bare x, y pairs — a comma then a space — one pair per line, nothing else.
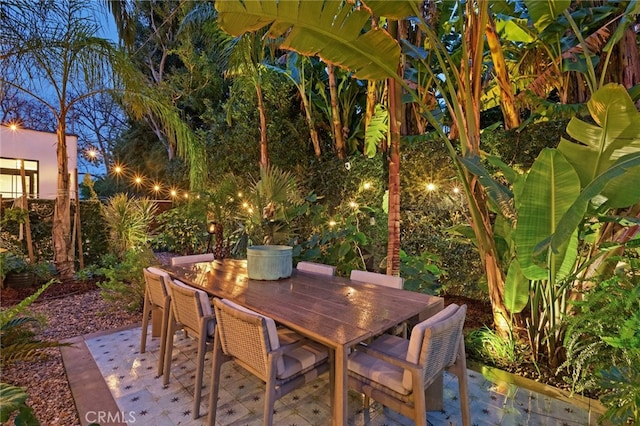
61, 233
395, 120
471, 70
335, 116
393, 229
264, 155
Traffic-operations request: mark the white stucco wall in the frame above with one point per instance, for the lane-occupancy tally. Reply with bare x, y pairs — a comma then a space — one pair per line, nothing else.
41, 146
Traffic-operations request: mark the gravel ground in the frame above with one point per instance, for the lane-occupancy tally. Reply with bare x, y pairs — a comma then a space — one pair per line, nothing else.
45, 379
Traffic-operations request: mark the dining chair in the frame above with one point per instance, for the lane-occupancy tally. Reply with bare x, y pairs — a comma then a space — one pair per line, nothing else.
254, 342
190, 310
192, 258
157, 300
378, 279
396, 371
316, 268
392, 281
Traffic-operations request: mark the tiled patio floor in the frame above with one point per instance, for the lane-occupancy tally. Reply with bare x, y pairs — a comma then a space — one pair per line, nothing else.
142, 400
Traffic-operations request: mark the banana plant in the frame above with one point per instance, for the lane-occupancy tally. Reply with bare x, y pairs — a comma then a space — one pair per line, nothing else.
543, 220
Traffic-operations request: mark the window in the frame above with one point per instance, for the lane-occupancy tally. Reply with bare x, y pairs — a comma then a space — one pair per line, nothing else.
11, 182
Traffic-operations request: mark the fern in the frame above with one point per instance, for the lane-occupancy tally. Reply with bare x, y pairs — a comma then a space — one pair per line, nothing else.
10, 314
17, 340
603, 351
376, 131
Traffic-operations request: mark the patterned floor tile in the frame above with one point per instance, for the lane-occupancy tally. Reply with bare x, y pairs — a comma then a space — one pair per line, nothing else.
133, 381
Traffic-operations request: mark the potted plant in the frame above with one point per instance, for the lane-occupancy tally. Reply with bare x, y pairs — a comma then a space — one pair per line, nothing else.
15, 270
272, 204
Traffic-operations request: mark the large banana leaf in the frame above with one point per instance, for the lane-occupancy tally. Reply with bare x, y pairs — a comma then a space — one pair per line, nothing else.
543, 13
628, 165
516, 289
336, 31
550, 189
615, 134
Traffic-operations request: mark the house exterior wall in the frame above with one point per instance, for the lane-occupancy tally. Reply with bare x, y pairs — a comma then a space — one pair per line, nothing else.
39, 146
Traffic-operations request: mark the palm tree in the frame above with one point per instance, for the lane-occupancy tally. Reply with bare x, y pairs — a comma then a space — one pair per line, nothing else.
50, 53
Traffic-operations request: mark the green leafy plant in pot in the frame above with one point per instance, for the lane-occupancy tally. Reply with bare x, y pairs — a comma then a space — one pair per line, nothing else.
15, 270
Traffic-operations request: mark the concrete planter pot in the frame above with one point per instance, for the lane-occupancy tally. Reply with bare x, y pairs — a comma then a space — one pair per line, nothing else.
269, 262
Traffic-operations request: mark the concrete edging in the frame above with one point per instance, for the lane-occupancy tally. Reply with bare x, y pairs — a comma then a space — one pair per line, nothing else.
91, 395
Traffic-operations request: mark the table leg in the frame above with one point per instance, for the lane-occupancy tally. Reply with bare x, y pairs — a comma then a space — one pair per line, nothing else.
341, 390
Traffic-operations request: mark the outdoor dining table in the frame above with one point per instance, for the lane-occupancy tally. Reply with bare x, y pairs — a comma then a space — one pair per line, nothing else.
334, 311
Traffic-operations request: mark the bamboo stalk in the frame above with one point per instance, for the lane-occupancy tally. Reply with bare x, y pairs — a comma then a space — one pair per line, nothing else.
78, 227
27, 223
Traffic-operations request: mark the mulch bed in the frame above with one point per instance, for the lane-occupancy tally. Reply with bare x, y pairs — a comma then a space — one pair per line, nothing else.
12, 296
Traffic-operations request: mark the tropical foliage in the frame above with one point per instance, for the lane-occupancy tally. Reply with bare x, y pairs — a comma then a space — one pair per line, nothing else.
128, 222
181, 230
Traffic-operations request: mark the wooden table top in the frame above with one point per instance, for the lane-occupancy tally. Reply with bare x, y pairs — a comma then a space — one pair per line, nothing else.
332, 310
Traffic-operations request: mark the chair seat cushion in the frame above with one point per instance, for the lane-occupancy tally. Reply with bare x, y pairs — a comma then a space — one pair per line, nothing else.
302, 358
378, 371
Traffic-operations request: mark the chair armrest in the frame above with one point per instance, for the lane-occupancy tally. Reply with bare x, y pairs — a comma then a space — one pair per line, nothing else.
402, 363
291, 346
204, 322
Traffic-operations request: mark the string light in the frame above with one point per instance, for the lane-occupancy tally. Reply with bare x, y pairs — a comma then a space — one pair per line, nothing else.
118, 169
92, 153
332, 223
366, 185
431, 187
353, 204
456, 190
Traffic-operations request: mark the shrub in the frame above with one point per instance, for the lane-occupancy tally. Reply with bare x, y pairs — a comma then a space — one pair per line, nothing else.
128, 222
94, 237
182, 230
124, 279
421, 272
